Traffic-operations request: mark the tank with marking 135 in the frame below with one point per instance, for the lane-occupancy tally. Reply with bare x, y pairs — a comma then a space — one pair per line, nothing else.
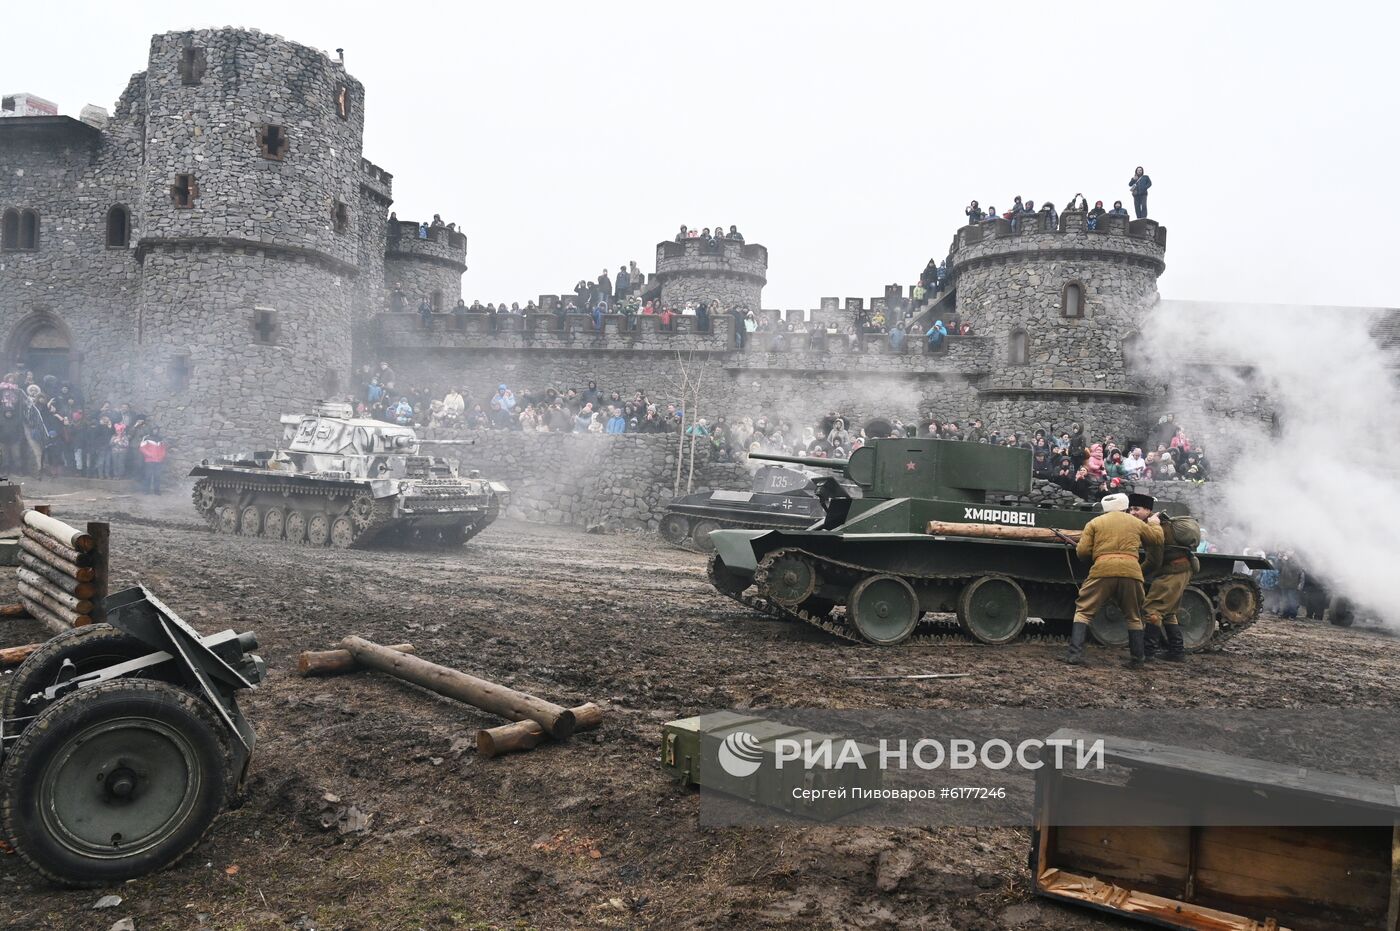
342, 481
781, 498
923, 539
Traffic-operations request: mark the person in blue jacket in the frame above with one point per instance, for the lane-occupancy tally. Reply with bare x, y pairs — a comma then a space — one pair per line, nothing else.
1139, 184
936, 335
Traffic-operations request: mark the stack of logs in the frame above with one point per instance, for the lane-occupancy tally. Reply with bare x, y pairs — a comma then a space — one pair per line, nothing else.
62, 570
535, 719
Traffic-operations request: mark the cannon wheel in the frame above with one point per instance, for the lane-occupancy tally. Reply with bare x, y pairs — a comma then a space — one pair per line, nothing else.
114, 781
89, 648
992, 609
700, 535
1196, 615
675, 528
884, 609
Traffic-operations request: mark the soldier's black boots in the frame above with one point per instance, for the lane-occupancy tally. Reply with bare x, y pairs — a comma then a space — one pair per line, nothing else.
1074, 656
1136, 652
1153, 642
1176, 645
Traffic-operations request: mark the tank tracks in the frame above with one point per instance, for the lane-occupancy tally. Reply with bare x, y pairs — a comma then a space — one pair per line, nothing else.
371, 519
930, 630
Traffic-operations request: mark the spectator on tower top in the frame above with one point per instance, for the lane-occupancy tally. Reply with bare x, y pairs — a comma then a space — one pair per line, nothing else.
683, 235
624, 281
1077, 202
936, 335
1118, 209
991, 215
605, 283
734, 233
437, 221
974, 212
1017, 208
1138, 184
1051, 219
1098, 211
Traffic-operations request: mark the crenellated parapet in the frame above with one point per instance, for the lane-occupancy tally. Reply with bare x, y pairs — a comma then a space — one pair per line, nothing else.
376, 182
408, 240
480, 331
729, 272
1115, 238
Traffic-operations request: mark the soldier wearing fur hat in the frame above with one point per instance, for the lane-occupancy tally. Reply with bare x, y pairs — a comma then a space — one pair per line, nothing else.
1170, 566
1111, 541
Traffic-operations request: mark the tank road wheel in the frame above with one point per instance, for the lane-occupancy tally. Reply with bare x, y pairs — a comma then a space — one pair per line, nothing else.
725, 580
318, 529
992, 609
89, 648
113, 781
700, 535
1237, 601
1109, 627
250, 523
227, 519
296, 527
362, 510
273, 522
674, 529
791, 580
204, 496
342, 533
884, 609
1196, 615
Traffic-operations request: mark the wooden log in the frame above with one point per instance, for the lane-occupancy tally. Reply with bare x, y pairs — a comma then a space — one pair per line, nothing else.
526, 735
52, 621
14, 610
70, 616
30, 547
66, 553
328, 662
556, 720
39, 589
1002, 532
57, 577
13, 656
52, 527
101, 533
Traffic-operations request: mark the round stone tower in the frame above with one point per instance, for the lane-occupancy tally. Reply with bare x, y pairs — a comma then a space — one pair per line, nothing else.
1060, 308
730, 272
250, 243
431, 266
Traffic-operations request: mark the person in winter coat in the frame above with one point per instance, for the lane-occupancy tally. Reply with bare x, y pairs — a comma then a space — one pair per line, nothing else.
936, 336
1076, 444
153, 452
1094, 465
1138, 184
616, 423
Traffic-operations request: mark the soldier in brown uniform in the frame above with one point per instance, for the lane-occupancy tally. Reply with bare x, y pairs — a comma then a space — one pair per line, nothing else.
1170, 567
1111, 541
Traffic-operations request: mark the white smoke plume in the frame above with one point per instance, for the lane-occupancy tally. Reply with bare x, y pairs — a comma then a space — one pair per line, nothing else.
1323, 478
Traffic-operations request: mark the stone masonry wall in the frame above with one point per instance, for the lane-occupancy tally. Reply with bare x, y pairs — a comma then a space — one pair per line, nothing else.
586, 480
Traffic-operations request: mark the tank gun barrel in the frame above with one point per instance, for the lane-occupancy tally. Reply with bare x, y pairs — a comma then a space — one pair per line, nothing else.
813, 461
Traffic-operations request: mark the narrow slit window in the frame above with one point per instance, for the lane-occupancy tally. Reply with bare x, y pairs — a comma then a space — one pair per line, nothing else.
1072, 300
28, 229
184, 191
340, 217
266, 329
1020, 348
192, 64
9, 231
118, 227
272, 141
180, 371
342, 101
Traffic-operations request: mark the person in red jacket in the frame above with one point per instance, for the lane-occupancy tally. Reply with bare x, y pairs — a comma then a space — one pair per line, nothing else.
153, 452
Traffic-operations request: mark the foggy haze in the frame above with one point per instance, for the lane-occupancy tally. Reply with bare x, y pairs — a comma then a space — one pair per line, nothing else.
1325, 483
569, 138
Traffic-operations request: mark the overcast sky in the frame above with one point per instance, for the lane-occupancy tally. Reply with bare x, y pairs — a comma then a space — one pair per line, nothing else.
846, 137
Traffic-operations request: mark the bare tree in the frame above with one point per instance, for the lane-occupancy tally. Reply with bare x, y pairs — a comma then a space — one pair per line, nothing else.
687, 384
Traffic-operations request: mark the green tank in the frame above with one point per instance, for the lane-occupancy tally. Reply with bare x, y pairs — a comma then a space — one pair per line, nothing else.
873, 572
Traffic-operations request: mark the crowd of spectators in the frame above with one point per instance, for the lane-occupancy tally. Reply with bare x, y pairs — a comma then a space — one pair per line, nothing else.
1138, 185
1087, 465
48, 428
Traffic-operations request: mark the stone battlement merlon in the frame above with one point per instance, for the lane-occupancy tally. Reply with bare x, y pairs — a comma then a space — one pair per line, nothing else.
550, 331
224, 33
440, 246
727, 258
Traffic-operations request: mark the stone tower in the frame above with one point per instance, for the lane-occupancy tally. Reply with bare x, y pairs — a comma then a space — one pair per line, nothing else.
431, 266
250, 247
1060, 308
731, 273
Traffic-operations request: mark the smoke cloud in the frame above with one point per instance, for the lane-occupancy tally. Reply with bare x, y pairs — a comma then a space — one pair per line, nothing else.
1322, 476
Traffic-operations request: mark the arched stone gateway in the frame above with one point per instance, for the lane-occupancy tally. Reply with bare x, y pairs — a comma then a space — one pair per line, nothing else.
42, 343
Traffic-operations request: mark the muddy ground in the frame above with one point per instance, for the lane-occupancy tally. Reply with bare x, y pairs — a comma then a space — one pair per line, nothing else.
590, 833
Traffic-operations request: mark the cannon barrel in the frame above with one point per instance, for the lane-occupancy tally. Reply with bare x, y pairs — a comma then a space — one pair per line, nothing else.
814, 461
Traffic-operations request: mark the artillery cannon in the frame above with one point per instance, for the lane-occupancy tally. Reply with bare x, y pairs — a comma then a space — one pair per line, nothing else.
344, 481
121, 742
873, 572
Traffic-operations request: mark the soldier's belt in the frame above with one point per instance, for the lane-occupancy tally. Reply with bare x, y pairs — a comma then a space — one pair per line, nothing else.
1132, 556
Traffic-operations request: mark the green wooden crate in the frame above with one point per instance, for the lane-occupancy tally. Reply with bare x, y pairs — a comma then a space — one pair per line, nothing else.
691, 748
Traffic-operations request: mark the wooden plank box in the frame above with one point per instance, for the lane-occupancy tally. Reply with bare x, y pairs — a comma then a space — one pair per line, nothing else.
1192, 873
